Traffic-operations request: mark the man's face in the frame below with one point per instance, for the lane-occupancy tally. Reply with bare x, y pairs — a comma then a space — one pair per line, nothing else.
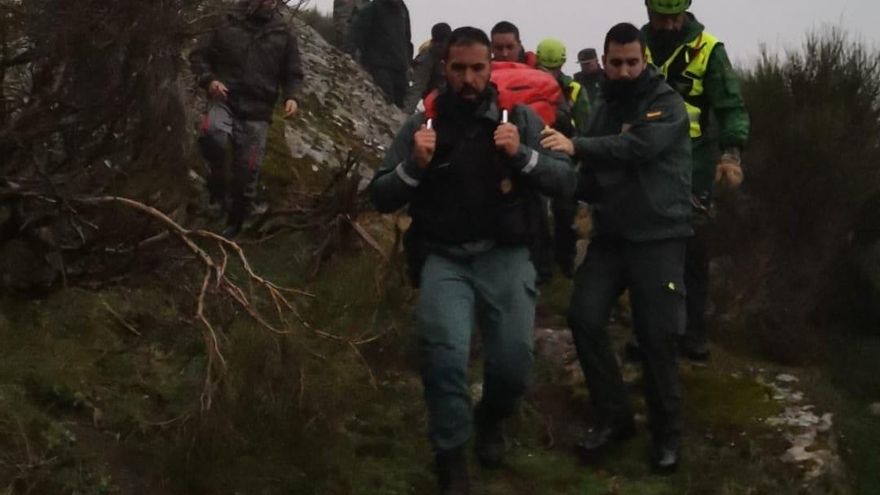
590, 66
505, 47
624, 62
467, 70
666, 22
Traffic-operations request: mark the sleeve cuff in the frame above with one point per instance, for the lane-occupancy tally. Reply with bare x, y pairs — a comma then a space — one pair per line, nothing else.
409, 173
525, 159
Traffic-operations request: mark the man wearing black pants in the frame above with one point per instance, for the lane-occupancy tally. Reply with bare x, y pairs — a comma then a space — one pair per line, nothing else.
636, 175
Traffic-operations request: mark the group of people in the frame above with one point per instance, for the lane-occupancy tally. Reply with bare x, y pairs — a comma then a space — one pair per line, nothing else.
664, 125
643, 140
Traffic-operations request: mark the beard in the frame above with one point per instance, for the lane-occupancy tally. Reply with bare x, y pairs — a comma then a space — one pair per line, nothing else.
668, 37
624, 88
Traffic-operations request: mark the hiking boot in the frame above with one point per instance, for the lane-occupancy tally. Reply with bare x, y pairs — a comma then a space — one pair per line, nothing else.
695, 352
601, 438
664, 458
489, 445
452, 474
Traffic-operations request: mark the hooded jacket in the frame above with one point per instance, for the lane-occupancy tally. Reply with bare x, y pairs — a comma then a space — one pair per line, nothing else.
254, 58
636, 163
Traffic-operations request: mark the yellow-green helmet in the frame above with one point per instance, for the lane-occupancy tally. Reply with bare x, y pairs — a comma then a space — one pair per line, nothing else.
668, 6
551, 53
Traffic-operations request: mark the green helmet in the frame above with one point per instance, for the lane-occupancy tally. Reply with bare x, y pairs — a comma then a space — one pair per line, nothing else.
551, 53
668, 6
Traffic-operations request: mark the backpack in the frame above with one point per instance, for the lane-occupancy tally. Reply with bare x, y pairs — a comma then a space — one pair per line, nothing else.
517, 84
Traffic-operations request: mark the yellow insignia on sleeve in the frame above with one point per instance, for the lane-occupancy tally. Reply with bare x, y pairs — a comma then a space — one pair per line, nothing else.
654, 115
506, 186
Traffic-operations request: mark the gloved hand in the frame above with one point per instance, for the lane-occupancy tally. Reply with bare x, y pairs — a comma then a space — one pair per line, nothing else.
728, 171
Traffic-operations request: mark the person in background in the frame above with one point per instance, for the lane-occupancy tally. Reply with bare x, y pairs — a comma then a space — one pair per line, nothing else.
507, 47
381, 41
591, 73
695, 63
428, 67
243, 65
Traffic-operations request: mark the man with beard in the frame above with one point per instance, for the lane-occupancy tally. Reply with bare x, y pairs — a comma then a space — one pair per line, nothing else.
242, 65
381, 40
695, 64
590, 76
635, 173
473, 183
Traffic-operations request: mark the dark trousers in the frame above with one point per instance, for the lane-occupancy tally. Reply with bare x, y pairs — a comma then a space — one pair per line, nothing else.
653, 272
696, 279
248, 138
564, 235
392, 82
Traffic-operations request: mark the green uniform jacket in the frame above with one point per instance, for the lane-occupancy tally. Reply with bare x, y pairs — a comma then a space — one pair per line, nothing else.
636, 164
381, 33
396, 183
727, 119
580, 108
591, 84
254, 60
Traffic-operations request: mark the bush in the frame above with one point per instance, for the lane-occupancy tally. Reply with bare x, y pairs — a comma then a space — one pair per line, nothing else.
811, 165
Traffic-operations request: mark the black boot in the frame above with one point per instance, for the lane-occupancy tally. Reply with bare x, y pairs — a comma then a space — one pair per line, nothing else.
452, 472
603, 437
664, 457
489, 443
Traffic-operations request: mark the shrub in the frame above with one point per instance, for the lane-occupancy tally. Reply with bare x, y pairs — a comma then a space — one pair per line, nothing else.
811, 165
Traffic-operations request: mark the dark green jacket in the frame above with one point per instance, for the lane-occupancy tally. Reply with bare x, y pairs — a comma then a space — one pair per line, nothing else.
726, 119
400, 181
592, 84
254, 60
580, 108
636, 164
427, 75
380, 36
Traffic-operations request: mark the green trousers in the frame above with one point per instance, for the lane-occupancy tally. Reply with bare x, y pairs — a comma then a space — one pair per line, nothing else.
653, 272
496, 290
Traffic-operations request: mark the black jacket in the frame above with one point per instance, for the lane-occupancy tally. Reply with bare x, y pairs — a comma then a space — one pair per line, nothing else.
470, 191
254, 60
636, 163
381, 34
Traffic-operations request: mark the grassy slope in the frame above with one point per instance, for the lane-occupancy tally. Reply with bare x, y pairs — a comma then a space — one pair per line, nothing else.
87, 406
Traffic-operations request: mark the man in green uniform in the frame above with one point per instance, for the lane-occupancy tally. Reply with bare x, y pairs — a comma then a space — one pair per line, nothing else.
635, 172
695, 64
381, 40
590, 76
473, 184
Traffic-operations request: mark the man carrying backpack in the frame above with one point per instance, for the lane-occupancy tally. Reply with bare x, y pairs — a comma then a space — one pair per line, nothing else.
472, 182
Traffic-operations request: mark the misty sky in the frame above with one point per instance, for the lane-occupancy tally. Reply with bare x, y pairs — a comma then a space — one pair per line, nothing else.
742, 24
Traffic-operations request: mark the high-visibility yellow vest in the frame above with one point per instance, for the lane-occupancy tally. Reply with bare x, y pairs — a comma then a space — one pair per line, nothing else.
696, 59
575, 90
